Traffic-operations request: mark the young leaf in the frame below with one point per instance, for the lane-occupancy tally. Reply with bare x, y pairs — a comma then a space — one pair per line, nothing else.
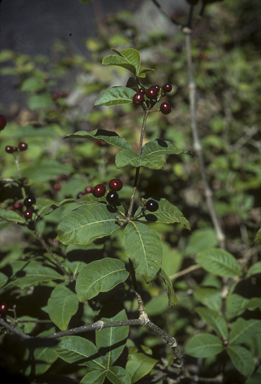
87, 223
99, 276
170, 290
77, 350
118, 375
120, 62
109, 137
139, 365
204, 345
130, 59
144, 71
143, 246
214, 320
254, 269
210, 297
94, 377
62, 305
218, 262
243, 330
242, 359
115, 96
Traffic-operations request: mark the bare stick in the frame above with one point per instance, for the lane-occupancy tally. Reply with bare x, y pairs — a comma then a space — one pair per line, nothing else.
185, 271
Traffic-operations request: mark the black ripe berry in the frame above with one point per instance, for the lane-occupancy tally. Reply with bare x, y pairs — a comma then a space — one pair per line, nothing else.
29, 201
112, 197
167, 87
142, 91
3, 308
165, 108
23, 146
28, 214
99, 190
9, 149
138, 98
115, 184
80, 194
152, 205
152, 93
2, 122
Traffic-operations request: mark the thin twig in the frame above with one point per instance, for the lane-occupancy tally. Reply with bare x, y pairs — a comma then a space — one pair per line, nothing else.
185, 271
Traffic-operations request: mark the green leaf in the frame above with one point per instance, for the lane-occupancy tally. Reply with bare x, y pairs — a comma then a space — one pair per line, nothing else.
39, 101
33, 84
144, 71
139, 365
87, 223
127, 58
236, 305
254, 303
7, 214
3, 279
45, 170
99, 276
94, 377
30, 131
258, 235
62, 305
199, 240
77, 350
218, 262
254, 269
118, 375
204, 345
170, 290
127, 157
242, 359
210, 297
32, 273
47, 206
115, 96
107, 339
214, 320
243, 330
109, 137
167, 213
143, 246
255, 378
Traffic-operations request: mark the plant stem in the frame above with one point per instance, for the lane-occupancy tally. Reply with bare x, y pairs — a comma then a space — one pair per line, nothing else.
19, 175
136, 179
197, 145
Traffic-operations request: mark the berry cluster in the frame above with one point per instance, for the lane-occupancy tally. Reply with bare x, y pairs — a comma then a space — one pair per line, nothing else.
21, 147
154, 94
57, 95
99, 190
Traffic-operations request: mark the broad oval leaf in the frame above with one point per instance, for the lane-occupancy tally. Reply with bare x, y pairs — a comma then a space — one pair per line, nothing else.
115, 96
11, 216
62, 305
109, 137
143, 246
120, 62
118, 375
214, 320
236, 305
243, 330
204, 345
139, 365
45, 170
210, 297
77, 350
99, 276
242, 359
127, 157
131, 55
94, 377
87, 223
218, 262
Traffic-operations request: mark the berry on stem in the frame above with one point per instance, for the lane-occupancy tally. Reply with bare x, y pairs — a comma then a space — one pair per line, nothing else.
56, 186
2, 122
99, 190
156, 87
115, 184
28, 214
142, 91
112, 197
167, 87
23, 146
3, 308
88, 190
9, 149
152, 93
29, 201
63, 176
14, 149
165, 108
18, 205
80, 194
138, 98
152, 205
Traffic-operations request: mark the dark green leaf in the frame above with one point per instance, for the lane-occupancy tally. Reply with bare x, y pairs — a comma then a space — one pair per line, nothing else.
255, 378
169, 285
236, 305
254, 269
243, 330
7, 214
115, 96
139, 365
242, 359
118, 375
94, 377
201, 239
204, 345
3, 279
214, 320
210, 297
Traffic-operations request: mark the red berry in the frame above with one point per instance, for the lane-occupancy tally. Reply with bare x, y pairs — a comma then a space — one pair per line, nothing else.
28, 214
138, 98
88, 190
99, 190
2, 122
23, 146
165, 108
64, 176
55, 96
100, 143
152, 93
163, 94
3, 308
18, 205
29, 201
142, 91
152, 205
167, 87
56, 186
9, 149
115, 184
112, 197
157, 87
80, 194
14, 149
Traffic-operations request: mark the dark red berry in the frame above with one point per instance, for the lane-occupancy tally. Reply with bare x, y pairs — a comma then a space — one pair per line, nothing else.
152, 93
9, 149
100, 143
55, 96
99, 190
138, 98
142, 91
163, 94
80, 194
56, 242
2, 122
28, 214
167, 87
64, 176
165, 108
23, 146
152, 205
18, 205
14, 149
63, 94
56, 186
88, 190
112, 197
157, 87
3, 308
29, 201
115, 184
